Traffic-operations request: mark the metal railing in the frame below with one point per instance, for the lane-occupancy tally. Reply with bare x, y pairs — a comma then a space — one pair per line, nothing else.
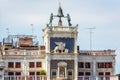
44, 77
41, 77
98, 78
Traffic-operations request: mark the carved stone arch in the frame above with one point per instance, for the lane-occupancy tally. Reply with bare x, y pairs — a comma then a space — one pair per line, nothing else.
62, 64
62, 70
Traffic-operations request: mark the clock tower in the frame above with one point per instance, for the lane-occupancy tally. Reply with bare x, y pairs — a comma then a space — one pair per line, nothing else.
61, 48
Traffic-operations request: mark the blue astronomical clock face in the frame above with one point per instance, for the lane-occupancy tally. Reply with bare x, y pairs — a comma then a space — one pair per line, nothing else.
62, 44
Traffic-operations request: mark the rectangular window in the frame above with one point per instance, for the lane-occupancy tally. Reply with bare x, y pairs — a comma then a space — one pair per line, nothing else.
87, 73
101, 74
10, 64
87, 65
104, 64
38, 64
42, 47
69, 73
107, 74
101, 65
17, 65
80, 64
110, 64
81, 73
31, 64
31, 73
18, 73
53, 73
10, 73
38, 73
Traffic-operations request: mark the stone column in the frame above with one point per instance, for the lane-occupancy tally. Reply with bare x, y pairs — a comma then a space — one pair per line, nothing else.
94, 67
47, 44
75, 43
25, 66
48, 66
76, 68
65, 72
58, 72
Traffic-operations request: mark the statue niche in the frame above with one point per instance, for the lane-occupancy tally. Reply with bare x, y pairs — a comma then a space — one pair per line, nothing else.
60, 48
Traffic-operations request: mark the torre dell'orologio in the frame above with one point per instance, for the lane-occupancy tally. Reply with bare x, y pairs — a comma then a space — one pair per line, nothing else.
58, 58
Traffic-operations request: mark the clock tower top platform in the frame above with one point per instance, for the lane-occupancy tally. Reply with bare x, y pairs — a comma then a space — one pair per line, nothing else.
57, 38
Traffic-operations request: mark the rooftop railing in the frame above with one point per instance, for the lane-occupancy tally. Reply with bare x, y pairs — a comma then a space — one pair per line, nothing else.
96, 53
24, 52
64, 28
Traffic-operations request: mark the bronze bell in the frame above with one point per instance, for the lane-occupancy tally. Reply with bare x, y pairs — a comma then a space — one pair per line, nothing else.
60, 13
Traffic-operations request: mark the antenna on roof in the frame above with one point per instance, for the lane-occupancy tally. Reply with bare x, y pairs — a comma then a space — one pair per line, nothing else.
7, 29
91, 32
32, 29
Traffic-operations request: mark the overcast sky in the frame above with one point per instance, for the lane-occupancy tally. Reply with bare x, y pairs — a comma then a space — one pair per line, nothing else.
104, 15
